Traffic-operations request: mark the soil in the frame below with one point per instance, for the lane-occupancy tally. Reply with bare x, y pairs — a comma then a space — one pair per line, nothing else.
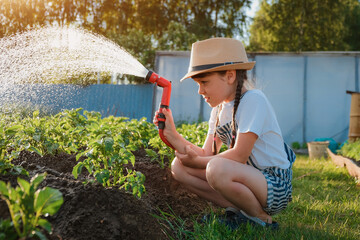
91, 211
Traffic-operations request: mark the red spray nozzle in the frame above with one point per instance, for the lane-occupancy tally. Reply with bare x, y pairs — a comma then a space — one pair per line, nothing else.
165, 101
161, 82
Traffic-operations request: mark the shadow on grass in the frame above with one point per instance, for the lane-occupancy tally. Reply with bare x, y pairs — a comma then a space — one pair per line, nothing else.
177, 228
217, 231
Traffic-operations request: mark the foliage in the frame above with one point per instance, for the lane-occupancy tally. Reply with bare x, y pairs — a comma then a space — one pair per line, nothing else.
107, 143
7, 230
176, 38
141, 26
306, 25
295, 145
204, 18
194, 133
107, 154
27, 204
103, 146
351, 150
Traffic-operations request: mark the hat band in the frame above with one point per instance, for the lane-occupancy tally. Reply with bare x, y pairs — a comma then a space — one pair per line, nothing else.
208, 66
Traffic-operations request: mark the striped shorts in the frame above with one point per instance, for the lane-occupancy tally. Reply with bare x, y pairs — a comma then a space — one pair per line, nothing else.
278, 180
279, 184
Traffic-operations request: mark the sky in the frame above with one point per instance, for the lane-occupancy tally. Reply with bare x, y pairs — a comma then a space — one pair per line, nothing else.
251, 13
254, 8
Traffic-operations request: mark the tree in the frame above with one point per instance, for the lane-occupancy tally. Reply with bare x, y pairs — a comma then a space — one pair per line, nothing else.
176, 38
305, 25
140, 26
352, 21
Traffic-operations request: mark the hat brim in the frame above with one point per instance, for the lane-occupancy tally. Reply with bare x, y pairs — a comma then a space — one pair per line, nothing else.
236, 66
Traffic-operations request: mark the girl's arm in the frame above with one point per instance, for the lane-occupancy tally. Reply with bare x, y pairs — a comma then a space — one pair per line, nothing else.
180, 143
240, 152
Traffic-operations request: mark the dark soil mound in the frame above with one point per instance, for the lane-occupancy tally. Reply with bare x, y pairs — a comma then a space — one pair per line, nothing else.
94, 212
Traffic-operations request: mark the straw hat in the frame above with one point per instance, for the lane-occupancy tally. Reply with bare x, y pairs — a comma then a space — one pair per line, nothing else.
217, 54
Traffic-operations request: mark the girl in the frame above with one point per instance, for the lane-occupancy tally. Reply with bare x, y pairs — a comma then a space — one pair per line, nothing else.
252, 178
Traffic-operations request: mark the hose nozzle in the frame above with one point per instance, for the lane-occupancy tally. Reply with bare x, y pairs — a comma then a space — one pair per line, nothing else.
165, 101
161, 82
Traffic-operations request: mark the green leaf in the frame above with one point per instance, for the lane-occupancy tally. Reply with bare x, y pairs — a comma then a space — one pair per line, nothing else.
103, 176
77, 169
13, 130
34, 149
20, 170
37, 137
39, 234
45, 224
109, 142
48, 200
151, 153
132, 159
78, 156
24, 185
7, 230
3, 189
37, 179
36, 114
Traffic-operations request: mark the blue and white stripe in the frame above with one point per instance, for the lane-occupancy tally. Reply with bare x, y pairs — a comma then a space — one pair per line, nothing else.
224, 133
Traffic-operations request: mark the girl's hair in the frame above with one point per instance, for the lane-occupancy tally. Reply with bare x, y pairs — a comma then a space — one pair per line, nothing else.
241, 77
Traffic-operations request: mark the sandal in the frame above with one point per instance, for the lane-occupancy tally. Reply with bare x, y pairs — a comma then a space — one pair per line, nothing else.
234, 218
258, 222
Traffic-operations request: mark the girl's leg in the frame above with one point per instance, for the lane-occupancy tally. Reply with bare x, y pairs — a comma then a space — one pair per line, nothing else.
242, 185
195, 180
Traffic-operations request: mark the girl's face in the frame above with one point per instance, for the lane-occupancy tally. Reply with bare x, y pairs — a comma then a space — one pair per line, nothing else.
216, 88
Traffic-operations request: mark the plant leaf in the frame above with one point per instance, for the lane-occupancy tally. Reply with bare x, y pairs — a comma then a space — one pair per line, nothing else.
34, 149
3, 189
45, 224
48, 200
36, 114
37, 179
79, 155
39, 235
13, 130
77, 169
103, 176
24, 185
109, 142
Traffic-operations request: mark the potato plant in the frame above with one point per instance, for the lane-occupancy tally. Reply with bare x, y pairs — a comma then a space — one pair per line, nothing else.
27, 205
103, 146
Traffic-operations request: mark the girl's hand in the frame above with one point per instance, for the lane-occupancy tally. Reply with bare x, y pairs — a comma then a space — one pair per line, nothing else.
170, 129
189, 158
155, 120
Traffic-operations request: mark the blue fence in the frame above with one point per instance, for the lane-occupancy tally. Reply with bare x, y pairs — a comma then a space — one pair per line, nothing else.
133, 101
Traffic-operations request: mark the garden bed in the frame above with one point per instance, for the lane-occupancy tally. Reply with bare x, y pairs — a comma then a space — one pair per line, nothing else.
352, 166
94, 212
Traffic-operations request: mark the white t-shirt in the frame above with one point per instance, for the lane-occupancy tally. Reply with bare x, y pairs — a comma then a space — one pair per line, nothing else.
255, 114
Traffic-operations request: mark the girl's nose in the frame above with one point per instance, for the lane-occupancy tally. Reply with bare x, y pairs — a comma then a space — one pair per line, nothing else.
201, 90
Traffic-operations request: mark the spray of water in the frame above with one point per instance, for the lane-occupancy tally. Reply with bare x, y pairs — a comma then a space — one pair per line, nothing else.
42, 54
29, 61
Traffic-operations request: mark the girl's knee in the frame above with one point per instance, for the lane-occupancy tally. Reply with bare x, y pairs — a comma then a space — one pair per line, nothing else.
176, 169
215, 173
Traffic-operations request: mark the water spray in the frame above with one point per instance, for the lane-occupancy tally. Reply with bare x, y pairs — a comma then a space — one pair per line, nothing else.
165, 101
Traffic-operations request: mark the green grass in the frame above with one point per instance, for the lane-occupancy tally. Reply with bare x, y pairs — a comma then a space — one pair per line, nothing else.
326, 205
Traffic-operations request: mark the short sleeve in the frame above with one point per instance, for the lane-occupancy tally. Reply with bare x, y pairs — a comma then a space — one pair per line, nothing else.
212, 120
252, 114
